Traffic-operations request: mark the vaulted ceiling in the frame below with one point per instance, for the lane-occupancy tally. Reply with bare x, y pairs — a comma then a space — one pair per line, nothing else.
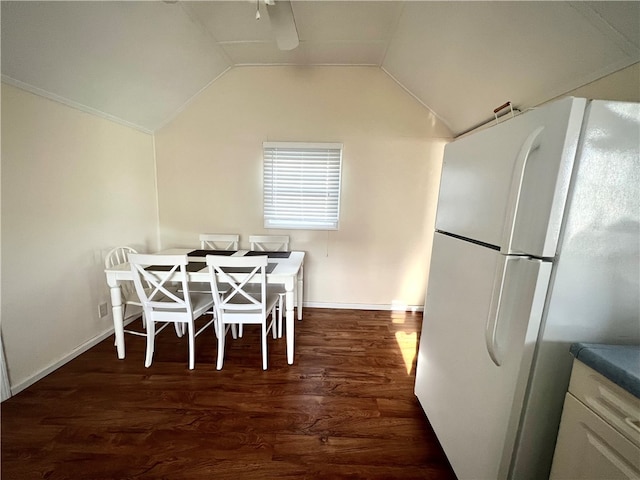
139, 63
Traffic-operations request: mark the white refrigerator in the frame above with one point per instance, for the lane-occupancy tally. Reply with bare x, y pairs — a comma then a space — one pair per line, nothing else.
536, 246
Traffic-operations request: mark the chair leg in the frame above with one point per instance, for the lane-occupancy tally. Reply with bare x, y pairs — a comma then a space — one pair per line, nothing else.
215, 323
264, 346
274, 324
221, 334
179, 329
192, 345
280, 305
151, 336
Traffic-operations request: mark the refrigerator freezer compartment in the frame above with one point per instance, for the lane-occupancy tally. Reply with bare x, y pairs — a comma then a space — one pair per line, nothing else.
512, 195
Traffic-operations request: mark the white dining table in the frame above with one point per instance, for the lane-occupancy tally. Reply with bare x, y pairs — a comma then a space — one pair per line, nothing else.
288, 272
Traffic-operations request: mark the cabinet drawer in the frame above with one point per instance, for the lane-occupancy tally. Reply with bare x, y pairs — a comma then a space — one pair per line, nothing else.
590, 449
614, 404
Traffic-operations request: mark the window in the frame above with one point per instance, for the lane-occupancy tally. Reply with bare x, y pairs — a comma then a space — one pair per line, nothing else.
302, 185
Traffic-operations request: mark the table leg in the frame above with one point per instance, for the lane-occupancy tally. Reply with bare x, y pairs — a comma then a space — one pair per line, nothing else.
289, 286
118, 321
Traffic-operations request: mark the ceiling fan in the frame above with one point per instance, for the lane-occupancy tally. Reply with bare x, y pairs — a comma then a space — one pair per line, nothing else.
283, 23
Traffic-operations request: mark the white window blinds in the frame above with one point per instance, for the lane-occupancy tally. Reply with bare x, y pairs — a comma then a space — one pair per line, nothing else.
302, 185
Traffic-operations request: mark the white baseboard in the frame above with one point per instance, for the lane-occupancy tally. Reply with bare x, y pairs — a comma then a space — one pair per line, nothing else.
365, 306
15, 389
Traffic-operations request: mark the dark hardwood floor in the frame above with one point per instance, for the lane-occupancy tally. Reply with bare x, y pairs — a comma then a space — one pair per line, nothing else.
344, 410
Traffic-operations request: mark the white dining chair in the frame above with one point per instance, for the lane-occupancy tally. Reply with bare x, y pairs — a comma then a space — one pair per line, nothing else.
219, 241
163, 304
132, 306
239, 305
273, 243
214, 241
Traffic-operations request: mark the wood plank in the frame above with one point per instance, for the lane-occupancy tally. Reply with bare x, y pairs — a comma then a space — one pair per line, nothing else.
344, 409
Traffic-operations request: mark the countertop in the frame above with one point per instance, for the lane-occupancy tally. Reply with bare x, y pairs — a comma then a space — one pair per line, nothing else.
618, 363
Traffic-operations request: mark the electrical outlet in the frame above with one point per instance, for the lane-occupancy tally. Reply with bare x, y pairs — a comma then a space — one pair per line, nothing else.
102, 310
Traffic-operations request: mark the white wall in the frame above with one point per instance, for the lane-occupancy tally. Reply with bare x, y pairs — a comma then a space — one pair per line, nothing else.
73, 186
209, 167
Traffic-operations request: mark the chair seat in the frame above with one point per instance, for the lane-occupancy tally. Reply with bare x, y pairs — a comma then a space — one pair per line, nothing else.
271, 289
271, 301
200, 302
200, 287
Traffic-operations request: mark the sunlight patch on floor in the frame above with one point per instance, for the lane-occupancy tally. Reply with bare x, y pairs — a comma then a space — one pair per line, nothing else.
398, 315
408, 343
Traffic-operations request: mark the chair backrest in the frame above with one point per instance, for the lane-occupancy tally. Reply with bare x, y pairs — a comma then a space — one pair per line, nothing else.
264, 243
246, 304
118, 256
159, 299
219, 241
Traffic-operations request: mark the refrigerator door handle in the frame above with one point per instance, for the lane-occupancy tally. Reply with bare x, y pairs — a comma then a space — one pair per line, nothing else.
491, 327
517, 179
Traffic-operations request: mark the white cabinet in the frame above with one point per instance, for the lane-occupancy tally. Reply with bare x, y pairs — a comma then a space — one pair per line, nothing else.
599, 436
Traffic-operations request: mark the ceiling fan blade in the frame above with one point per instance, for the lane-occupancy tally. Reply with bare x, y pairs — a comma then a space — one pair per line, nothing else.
283, 24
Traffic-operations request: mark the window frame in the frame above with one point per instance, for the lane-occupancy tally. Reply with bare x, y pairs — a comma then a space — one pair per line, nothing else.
311, 218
